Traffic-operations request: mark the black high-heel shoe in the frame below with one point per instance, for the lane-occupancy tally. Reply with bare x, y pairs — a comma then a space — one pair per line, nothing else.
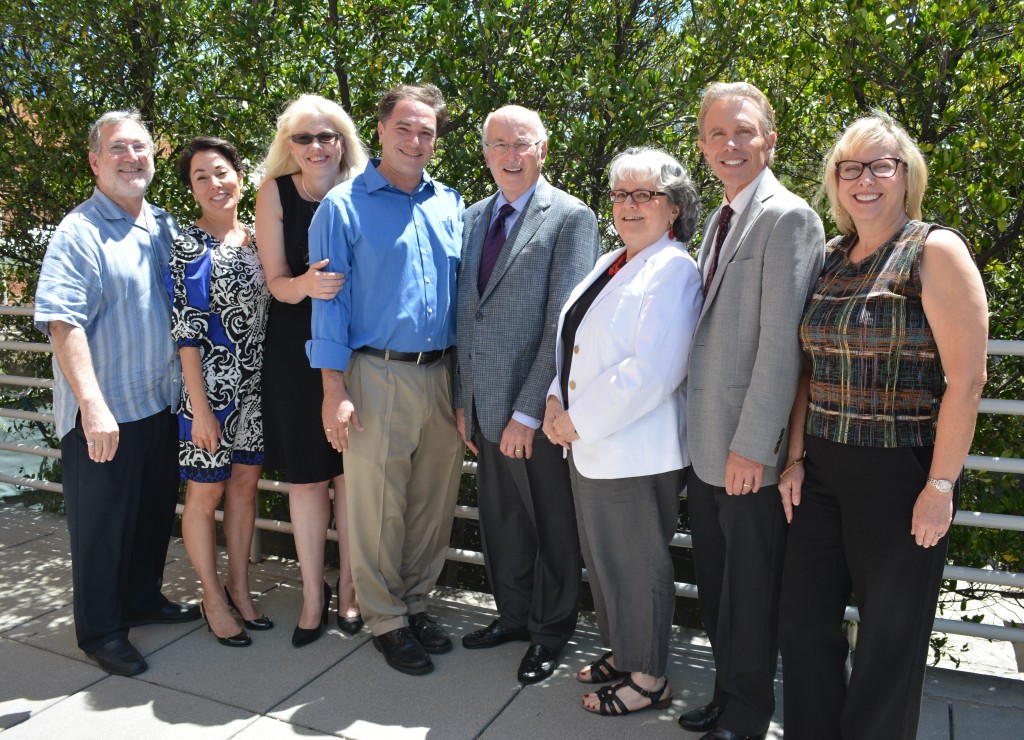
242, 639
261, 622
349, 625
301, 636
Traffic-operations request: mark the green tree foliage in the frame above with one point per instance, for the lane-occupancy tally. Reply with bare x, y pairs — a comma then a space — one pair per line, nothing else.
604, 75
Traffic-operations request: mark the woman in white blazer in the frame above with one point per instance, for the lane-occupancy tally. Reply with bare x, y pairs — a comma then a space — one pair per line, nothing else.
618, 404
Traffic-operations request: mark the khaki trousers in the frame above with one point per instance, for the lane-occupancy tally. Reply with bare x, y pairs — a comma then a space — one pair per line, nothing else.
402, 478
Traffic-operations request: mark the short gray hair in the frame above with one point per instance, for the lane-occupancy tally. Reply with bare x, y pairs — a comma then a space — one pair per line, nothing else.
647, 163
113, 118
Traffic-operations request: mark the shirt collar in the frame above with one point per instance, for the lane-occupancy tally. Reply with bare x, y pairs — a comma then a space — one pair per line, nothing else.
519, 203
111, 210
375, 181
742, 200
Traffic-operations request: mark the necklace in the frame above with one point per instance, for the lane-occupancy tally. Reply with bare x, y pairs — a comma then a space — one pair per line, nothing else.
302, 182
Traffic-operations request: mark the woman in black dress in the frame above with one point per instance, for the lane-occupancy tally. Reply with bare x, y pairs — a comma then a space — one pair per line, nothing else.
315, 148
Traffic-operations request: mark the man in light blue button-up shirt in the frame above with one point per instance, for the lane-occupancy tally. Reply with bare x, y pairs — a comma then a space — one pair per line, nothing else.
385, 345
101, 300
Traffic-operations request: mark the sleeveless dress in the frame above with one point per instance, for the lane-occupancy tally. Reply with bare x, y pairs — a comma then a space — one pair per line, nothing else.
293, 392
219, 304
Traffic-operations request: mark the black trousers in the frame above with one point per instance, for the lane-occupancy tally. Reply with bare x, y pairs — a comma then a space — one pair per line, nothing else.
120, 515
851, 533
739, 544
530, 543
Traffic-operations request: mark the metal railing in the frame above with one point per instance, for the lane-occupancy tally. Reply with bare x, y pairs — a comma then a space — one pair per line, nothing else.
996, 347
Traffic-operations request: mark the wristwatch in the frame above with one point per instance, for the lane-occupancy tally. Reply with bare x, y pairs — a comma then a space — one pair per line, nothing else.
942, 485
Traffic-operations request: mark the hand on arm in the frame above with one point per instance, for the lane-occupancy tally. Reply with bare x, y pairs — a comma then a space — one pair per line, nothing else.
72, 349
954, 301
338, 410
284, 286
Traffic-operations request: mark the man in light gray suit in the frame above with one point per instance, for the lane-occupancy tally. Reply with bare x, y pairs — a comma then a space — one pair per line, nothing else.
761, 255
523, 250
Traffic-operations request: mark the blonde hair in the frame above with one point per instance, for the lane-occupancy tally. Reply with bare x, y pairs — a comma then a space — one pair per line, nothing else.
279, 160
874, 130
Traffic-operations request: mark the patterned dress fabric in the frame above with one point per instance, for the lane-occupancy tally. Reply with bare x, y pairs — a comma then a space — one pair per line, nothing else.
220, 301
876, 377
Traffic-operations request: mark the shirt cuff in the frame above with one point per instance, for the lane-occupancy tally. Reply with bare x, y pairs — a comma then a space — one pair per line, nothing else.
526, 419
323, 353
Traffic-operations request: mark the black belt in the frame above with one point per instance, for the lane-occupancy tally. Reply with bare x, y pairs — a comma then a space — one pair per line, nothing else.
417, 358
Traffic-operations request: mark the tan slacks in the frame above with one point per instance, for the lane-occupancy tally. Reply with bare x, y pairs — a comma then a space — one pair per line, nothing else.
402, 479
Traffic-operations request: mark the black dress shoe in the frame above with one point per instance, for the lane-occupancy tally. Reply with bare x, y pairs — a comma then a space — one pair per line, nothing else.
720, 733
119, 657
261, 622
403, 652
242, 639
493, 635
538, 663
169, 613
350, 625
429, 633
701, 719
302, 636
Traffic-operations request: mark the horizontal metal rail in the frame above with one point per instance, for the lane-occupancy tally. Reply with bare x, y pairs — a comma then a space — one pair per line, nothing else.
680, 540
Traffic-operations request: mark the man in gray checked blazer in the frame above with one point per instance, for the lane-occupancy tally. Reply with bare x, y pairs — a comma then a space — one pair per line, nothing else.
761, 255
523, 250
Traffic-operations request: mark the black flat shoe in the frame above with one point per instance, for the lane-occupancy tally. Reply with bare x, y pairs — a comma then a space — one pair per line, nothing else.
403, 652
701, 719
261, 622
302, 637
350, 625
538, 663
169, 613
429, 634
242, 639
119, 657
720, 733
493, 635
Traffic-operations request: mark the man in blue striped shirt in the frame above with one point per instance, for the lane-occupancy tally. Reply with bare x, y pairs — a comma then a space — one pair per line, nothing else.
385, 346
101, 300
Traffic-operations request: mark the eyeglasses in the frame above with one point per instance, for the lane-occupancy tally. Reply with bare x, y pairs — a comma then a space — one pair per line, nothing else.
324, 137
501, 147
851, 169
638, 196
119, 150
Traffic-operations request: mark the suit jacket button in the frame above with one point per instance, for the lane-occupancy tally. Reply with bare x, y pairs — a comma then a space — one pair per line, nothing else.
576, 350
479, 315
572, 385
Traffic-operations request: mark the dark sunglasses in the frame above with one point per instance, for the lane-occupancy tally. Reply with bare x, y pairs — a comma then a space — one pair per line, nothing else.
324, 137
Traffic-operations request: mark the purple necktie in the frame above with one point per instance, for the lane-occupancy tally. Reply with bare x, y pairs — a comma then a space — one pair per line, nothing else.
493, 243
723, 231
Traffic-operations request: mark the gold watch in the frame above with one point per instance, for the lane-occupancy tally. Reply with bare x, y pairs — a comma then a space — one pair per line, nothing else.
941, 485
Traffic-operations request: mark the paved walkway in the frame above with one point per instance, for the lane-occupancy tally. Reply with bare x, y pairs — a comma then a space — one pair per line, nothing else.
340, 686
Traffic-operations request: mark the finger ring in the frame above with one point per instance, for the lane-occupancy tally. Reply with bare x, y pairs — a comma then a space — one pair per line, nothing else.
746, 485
327, 429
91, 443
519, 449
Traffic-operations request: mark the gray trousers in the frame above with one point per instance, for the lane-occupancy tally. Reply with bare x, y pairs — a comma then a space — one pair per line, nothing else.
528, 529
626, 526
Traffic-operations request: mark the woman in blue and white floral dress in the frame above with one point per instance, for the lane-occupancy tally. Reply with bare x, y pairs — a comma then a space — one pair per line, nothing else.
220, 301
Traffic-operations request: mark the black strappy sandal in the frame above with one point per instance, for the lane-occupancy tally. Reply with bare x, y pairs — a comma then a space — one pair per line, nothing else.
612, 706
601, 671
